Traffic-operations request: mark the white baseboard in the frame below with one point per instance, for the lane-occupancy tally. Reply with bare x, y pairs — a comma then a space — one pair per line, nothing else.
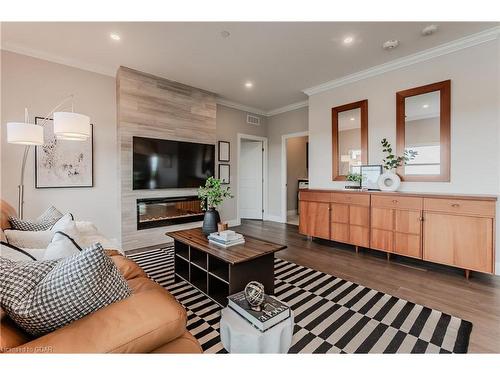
273, 218
291, 212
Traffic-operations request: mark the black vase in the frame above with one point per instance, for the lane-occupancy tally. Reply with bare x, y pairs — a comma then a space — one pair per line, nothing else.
210, 221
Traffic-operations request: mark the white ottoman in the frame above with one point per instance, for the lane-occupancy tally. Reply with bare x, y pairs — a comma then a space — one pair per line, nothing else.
239, 336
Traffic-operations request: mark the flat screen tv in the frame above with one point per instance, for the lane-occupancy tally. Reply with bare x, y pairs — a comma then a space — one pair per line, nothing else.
163, 164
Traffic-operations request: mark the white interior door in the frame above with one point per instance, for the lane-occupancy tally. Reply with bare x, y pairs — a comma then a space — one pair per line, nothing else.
251, 179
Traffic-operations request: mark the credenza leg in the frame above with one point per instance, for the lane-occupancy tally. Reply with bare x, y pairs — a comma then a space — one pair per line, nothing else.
467, 274
357, 249
388, 256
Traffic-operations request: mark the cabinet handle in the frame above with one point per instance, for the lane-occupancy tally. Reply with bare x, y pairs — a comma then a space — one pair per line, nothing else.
395, 201
455, 205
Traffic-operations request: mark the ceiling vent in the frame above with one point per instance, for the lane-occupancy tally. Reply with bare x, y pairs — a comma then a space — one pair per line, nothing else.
253, 120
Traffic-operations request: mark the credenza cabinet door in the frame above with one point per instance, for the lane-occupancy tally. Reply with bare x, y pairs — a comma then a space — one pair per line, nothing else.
407, 236
339, 223
461, 241
315, 219
359, 225
382, 227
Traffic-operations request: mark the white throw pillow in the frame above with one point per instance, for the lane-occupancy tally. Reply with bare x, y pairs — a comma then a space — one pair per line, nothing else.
61, 246
41, 239
62, 223
14, 253
28, 239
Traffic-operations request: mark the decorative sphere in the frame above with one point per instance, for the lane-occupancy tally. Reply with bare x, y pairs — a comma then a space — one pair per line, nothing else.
254, 294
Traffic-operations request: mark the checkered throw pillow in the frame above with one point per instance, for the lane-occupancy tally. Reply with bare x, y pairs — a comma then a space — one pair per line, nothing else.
44, 296
44, 222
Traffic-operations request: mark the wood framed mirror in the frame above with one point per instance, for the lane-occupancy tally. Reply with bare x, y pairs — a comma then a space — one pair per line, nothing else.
349, 139
423, 125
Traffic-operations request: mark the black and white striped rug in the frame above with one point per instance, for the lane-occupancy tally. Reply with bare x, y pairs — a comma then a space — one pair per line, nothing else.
332, 315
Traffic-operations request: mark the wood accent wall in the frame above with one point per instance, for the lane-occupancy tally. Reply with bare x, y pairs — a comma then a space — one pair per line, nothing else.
155, 107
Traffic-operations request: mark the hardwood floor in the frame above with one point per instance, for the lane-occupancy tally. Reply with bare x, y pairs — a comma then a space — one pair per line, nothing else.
437, 287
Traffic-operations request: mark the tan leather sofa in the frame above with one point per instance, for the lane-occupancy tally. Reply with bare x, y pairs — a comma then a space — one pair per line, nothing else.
149, 321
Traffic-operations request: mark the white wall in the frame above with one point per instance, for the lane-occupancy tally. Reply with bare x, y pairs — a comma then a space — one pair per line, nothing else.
230, 122
475, 106
277, 126
40, 85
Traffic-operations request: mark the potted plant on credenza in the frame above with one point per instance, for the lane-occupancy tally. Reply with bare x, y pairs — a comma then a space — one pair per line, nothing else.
389, 180
212, 195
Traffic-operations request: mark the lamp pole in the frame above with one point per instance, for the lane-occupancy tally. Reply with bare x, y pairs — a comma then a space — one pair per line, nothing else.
20, 187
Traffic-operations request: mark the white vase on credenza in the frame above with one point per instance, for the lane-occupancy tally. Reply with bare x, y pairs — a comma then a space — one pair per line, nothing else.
389, 181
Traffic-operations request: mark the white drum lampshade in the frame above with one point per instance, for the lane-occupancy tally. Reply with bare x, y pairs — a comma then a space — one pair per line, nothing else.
22, 133
72, 126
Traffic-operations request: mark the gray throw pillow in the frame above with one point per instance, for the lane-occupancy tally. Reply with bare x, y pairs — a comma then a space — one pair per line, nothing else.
43, 222
44, 296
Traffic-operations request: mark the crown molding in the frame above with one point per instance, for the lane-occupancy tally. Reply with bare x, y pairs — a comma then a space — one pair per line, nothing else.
241, 107
16, 48
288, 108
443, 49
261, 112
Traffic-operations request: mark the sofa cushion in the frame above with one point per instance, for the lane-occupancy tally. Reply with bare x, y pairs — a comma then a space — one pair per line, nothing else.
45, 221
128, 268
14, 253
11, 335
138, 324
185, 344
43, 296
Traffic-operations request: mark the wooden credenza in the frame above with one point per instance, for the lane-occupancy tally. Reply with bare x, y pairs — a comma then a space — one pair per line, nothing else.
455, 230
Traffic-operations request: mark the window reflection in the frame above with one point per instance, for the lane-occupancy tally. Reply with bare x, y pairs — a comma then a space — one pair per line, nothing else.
349, 134
422, 133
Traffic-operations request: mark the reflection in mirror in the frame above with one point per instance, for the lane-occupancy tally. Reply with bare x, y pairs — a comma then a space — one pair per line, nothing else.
423, 125
349, 136
422, 133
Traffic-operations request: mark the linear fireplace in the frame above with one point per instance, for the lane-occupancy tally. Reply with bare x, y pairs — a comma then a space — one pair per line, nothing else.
160, 212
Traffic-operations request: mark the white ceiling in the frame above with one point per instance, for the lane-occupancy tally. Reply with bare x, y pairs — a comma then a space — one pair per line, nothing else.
280, 58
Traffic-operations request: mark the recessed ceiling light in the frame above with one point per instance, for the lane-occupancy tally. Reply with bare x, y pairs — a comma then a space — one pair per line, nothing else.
425, 106
390, 44
248, 84
225, 34
352, 119
348, 40
114, 36
429, 30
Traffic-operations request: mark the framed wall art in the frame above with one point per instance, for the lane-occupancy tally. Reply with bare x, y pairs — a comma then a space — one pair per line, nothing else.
224, 173
61, 163
224, 151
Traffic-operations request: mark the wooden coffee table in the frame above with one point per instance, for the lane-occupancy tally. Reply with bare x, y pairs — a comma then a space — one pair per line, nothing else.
220, 272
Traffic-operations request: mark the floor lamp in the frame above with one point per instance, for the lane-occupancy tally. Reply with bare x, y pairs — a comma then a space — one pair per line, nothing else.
67, 125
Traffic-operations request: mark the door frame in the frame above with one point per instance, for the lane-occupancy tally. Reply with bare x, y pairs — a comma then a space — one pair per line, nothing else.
283, 193
264, 140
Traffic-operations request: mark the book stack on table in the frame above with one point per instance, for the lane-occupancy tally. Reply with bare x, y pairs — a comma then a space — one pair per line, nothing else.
272, 311
226, 238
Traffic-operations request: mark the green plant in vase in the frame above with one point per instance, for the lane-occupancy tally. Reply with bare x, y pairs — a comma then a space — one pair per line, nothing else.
392, 161
389, 180
354, 177
212, 195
